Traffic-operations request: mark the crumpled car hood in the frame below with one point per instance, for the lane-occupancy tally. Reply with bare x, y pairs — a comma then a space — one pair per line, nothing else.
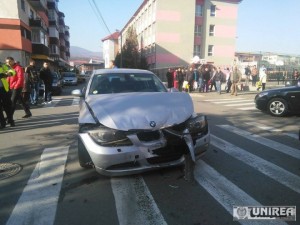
127, 111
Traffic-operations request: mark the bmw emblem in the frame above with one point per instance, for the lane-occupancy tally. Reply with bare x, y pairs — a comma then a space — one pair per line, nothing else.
152, 124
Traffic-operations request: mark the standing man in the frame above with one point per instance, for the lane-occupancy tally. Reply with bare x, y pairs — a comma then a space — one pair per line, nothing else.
263, 77
35, 81
218, 79
112, 64
236, 76
254, 73
46, 77
170, 78
5, 101
16, 84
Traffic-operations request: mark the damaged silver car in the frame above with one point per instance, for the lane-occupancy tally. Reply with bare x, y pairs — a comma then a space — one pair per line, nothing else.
130, 123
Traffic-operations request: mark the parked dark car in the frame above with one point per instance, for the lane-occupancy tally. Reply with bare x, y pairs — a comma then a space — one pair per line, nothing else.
279, 101
69, 78
57, 85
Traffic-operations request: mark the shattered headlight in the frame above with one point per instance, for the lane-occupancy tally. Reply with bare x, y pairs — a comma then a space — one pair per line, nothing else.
109, 137
197, 124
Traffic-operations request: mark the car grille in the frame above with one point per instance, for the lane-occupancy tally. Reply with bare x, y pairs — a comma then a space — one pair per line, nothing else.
164, 159
148, 135
124, 166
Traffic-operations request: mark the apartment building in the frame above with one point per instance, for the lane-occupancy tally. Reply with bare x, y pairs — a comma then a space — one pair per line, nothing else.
28, 30
173, 32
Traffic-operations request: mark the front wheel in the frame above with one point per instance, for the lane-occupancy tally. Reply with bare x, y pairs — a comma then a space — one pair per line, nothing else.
277, 107
84, 158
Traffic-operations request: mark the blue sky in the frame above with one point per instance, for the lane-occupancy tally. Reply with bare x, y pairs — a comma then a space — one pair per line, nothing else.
263, 25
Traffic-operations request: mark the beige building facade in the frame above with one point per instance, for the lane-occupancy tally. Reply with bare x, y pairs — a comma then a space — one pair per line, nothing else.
172, 32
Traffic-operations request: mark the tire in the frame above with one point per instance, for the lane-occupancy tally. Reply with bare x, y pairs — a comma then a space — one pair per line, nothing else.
84, 158
277, 107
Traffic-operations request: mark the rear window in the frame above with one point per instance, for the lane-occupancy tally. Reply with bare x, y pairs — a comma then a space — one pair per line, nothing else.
122, 83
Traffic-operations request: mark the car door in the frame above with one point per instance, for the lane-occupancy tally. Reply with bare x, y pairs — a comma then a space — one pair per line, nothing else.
294, 96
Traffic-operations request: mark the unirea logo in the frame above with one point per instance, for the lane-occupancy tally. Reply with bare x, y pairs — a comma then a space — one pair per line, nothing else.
287, 213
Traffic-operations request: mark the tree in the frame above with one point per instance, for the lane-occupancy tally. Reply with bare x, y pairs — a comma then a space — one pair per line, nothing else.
131, 57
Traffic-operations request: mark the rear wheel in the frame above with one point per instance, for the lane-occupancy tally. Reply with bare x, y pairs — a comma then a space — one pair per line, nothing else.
84, 158
277, 107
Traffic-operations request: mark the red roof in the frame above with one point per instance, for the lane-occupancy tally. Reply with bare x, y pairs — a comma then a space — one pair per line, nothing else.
113, 36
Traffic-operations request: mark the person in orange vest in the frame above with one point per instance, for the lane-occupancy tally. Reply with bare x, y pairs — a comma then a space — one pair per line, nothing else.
5, 101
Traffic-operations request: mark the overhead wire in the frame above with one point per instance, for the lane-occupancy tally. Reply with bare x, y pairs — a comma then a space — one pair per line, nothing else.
98, 14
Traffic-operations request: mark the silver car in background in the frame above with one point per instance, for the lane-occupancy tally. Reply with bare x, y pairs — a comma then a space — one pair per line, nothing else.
130, 123
69, 78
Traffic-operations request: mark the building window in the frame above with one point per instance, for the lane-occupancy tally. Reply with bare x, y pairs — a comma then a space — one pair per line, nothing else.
211, 30
212, 10
197, 50
198, 30
210, 50
23, 5
31, 16
198, 10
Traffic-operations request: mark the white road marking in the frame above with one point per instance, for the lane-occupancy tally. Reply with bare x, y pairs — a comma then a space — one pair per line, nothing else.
76, 101
134, 202
295, 153
248, 108
225, 192
272, 129
225, 99
38, 202
275, 172
240, 104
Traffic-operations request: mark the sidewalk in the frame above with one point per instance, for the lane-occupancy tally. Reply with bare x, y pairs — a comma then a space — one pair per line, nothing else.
269, 85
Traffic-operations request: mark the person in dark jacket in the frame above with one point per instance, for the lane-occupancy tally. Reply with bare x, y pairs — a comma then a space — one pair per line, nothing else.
170, 78
180, 77
206, 78
35, 81
46, 77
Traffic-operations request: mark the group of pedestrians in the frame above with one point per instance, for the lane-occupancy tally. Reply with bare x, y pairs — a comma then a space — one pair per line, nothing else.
204, 78
207, 77
21, 85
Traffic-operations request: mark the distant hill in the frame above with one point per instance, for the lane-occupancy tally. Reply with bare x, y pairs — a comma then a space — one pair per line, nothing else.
84, 54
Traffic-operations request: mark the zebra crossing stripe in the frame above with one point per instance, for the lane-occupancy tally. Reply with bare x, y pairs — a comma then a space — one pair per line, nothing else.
38, 202
263, 127
75, 101
272, 129
280, 175
134, 202
225, 99
239, 104
295, 153
248, 108
225, 192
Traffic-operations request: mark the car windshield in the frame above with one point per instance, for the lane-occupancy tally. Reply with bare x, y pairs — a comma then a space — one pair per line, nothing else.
69, 75
54, 75
125, 82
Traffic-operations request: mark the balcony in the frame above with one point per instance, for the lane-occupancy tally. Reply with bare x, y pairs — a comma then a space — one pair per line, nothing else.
53, 5
62, 35
37, 23
38, 5
40, 49
54, 41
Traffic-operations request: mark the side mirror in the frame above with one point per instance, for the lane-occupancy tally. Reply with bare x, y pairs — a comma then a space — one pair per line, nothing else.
77, 93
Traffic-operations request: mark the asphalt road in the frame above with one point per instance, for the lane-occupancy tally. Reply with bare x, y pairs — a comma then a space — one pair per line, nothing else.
253, 160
